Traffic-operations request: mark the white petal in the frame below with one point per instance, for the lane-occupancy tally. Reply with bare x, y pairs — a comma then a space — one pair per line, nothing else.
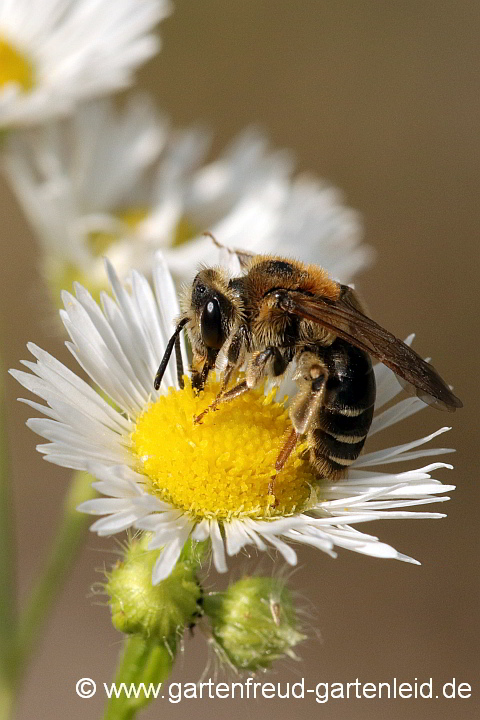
69, 42
201, 531
218, 547
236, 536
169, 555
288, 552
395, 413
381, 456
118, 522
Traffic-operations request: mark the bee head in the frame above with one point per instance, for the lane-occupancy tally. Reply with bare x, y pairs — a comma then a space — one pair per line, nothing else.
211, 310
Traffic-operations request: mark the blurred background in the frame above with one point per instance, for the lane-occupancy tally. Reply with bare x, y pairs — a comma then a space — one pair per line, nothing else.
382, 100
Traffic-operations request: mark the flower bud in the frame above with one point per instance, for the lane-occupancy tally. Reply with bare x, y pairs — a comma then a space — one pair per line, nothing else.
254, 622
162, 610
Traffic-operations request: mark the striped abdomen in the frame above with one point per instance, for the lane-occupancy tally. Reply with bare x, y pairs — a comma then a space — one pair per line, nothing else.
340, 406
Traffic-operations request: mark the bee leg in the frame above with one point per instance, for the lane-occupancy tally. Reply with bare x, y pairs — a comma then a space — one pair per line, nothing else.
282, 458
255, 373
226, 379
270, 361
286, 450
226, 397
222, 394
236, 346
200, 378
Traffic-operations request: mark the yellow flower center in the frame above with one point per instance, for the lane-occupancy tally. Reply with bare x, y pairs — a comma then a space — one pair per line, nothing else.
222, 467
14, 66
99, 241
61, 275
184, 232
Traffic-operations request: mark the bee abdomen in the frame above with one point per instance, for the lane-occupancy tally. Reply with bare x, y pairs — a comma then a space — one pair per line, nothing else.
341, 428
333, 452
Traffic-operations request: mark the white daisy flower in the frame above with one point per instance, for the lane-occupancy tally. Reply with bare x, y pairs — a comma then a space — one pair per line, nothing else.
123, 184
56, 53
161, 472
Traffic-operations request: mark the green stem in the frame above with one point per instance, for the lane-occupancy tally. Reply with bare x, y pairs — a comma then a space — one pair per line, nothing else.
3, 138
8, 615
7, 700
144, 660
64, 549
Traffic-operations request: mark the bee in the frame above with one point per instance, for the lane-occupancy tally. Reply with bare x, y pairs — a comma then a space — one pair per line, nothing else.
280, 311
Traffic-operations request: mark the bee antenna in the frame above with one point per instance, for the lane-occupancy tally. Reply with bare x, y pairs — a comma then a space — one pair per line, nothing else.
212, 237
168, 351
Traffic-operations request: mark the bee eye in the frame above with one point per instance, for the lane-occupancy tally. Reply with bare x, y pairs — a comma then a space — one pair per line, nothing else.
211, 325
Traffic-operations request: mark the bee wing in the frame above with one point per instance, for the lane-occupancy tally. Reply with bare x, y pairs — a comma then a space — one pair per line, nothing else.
345, 320
244, 257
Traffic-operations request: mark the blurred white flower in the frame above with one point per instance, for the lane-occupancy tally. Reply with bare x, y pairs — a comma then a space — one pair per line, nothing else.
161, 472
54, 53
121, 183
